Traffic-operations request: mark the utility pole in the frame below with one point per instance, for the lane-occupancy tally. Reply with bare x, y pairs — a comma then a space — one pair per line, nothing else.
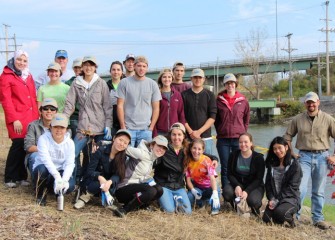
7, 51
327, 30
320, 66
289, 50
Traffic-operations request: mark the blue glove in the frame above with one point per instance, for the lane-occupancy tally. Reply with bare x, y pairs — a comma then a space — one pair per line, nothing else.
180, 206
108, 133
215, 200
196, 194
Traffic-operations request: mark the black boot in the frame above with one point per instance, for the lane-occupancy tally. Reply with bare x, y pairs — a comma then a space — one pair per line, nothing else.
134, 204
41, 197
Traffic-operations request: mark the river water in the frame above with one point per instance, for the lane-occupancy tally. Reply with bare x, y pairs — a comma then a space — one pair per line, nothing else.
263, 135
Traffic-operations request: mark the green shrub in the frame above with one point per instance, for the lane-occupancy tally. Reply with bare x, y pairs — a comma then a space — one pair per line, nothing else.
293, 108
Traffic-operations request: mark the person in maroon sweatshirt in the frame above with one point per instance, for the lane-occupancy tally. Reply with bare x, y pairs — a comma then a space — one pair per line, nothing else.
171, 109
232, 120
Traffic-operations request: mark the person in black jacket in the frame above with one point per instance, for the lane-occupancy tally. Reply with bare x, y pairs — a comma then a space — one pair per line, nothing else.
105, 170
282, 183
245, 174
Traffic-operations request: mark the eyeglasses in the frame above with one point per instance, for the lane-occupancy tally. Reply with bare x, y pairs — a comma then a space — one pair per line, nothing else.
47, 108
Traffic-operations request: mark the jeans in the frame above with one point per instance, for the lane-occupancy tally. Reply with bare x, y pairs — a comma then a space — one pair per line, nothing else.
138, 135
209, 147
30, 164
314, 166
43, 179
225, 146
167, 203
206, 194
80, 141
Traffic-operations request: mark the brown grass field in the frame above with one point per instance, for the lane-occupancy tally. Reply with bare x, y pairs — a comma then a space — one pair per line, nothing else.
21, 218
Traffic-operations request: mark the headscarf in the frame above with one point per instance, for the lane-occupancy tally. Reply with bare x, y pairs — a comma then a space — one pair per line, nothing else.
25, 72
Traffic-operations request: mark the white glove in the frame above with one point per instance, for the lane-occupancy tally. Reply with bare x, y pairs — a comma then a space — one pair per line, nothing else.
215, 200
58, 186
107, 199
66, 186
108, 133
196, 194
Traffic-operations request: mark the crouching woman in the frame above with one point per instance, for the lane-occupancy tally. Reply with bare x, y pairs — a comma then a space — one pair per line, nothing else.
282, 183
54, 164
105, 170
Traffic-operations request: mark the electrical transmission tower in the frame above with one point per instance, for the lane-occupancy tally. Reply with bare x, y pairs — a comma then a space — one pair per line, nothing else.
289, 50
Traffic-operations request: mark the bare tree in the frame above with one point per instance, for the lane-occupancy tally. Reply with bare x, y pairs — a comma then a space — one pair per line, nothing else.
252, 51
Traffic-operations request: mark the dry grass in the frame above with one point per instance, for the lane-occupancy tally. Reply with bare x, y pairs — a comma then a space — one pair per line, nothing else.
21, 218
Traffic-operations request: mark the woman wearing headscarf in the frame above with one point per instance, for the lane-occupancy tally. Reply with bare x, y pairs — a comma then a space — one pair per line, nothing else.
18, 99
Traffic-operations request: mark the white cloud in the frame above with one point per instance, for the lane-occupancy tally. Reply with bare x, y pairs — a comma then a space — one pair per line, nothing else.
31, 46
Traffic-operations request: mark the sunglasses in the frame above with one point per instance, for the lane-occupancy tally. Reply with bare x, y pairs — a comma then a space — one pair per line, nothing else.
47, 108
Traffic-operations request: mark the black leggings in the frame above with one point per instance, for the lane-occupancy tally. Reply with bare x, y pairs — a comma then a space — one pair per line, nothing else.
283, 212
15, 169
142, 191
254, 198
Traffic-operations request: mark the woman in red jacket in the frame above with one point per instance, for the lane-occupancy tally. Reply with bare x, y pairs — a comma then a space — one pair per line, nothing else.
171, 109
18, 98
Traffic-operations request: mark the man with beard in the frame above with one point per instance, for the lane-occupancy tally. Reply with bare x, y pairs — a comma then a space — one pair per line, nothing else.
313, 129
138, 103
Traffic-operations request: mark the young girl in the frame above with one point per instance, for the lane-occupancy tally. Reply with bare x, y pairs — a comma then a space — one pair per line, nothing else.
200, 177
245, 173
282, 183
55, 161
171, 108
138, 187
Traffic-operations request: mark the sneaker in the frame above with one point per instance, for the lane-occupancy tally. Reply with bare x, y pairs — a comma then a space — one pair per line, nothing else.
10, 185
23, 183
79, 204
322, 225
120, 212
41, 201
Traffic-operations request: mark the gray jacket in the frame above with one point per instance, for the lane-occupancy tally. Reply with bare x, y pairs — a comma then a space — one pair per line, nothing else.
95, 109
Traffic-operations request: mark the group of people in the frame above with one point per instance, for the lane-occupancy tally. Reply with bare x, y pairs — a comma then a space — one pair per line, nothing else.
131, 126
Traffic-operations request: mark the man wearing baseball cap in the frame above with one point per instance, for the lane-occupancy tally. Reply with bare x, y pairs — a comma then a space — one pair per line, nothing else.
200, 110
178, 74
313, 129
61, 57
128, 64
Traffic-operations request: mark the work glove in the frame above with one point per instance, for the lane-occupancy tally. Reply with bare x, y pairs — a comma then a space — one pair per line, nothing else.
180, 206
66, 186
58, 186
196, 194
107, 199
108, 133
215, 200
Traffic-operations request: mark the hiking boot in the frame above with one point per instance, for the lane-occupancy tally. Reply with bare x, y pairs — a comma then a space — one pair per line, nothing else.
10, 184
42, 201
83, 199
322, 225
120, 212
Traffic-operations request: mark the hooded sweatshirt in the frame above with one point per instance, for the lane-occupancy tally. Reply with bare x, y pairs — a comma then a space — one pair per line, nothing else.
56, 156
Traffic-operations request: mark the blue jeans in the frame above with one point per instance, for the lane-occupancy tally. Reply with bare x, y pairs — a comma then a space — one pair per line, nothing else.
314, 166
30, 164
80, 141
138, 135
43, 179
225, 146
206, 194
167, 203
209, 147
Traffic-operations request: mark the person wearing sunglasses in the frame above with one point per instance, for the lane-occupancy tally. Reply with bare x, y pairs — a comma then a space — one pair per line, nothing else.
36, 128
18, 99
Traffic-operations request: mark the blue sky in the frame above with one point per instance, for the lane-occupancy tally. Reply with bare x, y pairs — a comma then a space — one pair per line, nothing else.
191, 31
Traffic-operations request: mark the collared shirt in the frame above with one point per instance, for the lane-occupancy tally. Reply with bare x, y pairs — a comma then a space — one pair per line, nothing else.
311, 135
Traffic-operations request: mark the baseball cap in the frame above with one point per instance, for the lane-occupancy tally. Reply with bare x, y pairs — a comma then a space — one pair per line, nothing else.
178, 125
160, 140
197, 73
61, 53
54, 66
49, 102
60, 120
141, 59
176, 64
130, 55
311, 96
77, 62
229, 77
125, 131
91, 59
